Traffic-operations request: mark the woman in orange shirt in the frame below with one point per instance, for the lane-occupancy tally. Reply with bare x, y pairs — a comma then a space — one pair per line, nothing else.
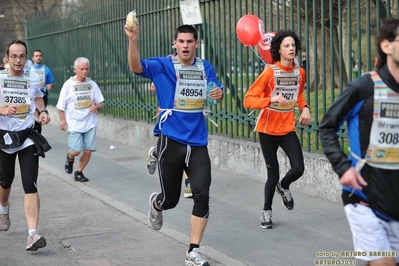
276, 92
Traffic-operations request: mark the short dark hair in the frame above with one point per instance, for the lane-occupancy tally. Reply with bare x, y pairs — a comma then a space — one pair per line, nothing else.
388, 32
37, 51
16, 41
186, 29
278, 39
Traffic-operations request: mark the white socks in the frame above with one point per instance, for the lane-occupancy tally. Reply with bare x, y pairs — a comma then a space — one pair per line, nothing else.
5, 210
32, 231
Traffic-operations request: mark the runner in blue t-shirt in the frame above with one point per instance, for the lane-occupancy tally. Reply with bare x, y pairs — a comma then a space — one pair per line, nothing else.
46, 76
151, 162
181, 81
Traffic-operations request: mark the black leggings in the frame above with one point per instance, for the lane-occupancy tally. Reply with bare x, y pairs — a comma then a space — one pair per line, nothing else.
292, 148
29, 165
173, 158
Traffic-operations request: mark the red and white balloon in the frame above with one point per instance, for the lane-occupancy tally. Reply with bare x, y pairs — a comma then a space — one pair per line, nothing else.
264, 47
249, 30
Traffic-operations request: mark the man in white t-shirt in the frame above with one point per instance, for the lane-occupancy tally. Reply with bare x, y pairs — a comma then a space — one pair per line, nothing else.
20, 95
80, 99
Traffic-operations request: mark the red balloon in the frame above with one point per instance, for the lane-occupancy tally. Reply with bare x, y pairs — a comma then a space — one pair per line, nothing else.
264, 47
249, 30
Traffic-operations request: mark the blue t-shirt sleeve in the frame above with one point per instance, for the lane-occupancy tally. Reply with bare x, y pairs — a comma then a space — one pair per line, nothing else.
49, 76
152, 67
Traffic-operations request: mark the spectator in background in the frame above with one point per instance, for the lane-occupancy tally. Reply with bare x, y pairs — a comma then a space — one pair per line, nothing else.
303, 61
250, 68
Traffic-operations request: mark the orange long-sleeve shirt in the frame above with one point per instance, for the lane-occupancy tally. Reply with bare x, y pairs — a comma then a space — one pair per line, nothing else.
259, 95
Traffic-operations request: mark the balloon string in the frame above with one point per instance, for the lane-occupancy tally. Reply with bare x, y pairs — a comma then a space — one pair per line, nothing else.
258, 55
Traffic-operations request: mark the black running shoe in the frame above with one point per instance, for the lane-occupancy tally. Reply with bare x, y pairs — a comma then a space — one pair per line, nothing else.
68, 164
80, 177
288, 201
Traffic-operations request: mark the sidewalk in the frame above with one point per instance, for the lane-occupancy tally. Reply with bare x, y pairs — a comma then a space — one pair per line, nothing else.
83, 228
104, 221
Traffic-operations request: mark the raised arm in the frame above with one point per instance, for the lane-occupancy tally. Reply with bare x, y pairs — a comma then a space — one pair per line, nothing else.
133, 55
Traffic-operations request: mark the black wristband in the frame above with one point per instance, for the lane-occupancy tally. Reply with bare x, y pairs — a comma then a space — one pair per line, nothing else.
307, 106
44, 110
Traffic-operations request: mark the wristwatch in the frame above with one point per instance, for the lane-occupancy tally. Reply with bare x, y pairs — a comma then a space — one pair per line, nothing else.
307, 106
44, 110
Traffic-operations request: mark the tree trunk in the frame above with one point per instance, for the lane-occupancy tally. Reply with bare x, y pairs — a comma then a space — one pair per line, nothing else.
321, 70
17, 17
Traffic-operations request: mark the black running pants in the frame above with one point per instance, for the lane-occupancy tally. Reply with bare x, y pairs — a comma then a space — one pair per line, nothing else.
292, 148
29, 165
174, 158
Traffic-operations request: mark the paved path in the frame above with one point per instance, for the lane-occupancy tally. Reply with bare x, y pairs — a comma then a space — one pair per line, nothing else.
104, 221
